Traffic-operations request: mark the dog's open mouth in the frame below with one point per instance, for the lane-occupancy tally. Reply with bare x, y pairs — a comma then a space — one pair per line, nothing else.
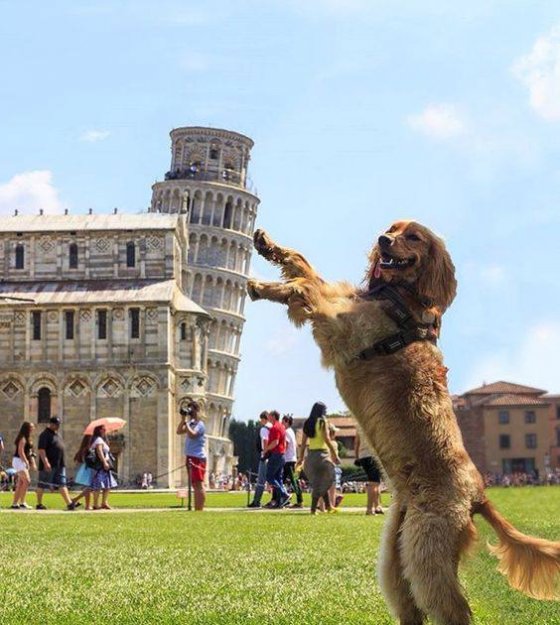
390, 262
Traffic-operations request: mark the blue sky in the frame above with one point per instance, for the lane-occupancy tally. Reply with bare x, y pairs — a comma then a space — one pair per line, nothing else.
362, 112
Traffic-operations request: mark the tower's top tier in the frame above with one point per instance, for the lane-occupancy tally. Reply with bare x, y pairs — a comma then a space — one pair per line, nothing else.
209, 154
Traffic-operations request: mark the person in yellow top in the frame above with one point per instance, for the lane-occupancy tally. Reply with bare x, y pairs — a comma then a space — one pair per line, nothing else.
321, 456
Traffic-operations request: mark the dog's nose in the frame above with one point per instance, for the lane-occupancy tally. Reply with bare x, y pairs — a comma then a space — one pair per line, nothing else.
384, 240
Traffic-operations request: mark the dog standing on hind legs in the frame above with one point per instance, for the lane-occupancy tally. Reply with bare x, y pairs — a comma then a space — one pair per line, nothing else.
380, 341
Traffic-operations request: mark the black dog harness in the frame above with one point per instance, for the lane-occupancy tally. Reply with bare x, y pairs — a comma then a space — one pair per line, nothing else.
410, 330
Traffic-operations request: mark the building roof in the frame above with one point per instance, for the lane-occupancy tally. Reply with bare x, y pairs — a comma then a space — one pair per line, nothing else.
59, 223
501, 387
97, 292
513, 399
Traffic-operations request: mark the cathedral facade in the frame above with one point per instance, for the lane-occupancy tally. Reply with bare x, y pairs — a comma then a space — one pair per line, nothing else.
123, 316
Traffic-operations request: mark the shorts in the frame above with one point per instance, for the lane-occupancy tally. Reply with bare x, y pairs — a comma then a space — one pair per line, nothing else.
371, 469
52, 479
197, 469
18, 464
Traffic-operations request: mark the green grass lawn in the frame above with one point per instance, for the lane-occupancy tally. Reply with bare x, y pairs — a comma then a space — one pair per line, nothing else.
234, 567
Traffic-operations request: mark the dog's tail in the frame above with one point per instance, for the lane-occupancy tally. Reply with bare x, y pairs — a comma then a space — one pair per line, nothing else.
531, 565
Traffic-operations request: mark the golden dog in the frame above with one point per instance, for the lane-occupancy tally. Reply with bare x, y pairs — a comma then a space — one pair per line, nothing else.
391, 376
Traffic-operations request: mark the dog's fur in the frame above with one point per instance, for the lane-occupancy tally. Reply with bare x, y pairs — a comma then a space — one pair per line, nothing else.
403, 405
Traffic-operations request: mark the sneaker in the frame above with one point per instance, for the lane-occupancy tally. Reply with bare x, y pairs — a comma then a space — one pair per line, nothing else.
379, 510
285, 502
40, 506
296, 505
338, 500
254, 504
24, 506
271, 504
73, 505
14, 506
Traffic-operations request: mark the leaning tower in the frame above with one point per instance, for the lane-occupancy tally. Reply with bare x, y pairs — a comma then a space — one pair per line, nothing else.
207, 180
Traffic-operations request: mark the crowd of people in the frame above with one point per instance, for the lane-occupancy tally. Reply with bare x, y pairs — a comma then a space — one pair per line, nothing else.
94, 473
315, 465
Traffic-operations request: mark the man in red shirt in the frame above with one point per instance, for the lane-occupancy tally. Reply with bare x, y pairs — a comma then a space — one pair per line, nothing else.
275, 449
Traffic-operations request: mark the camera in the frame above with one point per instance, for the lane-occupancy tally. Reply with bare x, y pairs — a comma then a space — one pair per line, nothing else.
184, 412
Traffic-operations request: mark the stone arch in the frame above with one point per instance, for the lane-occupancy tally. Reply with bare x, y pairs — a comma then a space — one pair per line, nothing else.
217, 299
232, 256
213, 251
196, 206
223, 253
109, 384
197, 287
175, 205
144, 384
237, 214
201, 258
208, 292
227, 295
207, 211
193, 239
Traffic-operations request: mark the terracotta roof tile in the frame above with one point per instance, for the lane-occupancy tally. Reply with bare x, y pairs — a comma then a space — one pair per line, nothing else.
513, 399
502, 387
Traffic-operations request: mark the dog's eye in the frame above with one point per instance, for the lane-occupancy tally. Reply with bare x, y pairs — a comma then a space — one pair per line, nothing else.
413, 237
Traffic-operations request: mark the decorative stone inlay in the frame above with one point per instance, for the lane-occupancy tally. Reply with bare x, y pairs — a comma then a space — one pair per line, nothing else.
53, 315
77, 388
118, 313
85, 315
144, 386
102, 245
110, 388
46, 244
20, 318
154, 243
11, 389
152, 313
186, 384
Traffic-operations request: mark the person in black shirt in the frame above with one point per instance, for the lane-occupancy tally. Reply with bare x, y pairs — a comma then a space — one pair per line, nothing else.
52, 469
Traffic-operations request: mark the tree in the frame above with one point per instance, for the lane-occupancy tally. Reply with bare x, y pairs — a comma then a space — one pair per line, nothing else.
244, 436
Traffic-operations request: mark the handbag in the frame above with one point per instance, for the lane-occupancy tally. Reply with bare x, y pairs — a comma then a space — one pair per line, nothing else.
92, 460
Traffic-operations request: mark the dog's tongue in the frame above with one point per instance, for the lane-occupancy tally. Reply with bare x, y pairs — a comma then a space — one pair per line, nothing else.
377, 270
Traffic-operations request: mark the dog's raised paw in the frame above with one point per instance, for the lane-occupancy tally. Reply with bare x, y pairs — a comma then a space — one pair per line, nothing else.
252, 291
262, 243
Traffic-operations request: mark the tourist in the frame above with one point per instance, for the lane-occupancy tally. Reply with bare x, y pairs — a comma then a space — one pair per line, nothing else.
103, 479
320, 458
23, 460
262, 439
365, 460
335, 491
52, 467
290, 460
195, 453
84, 475
275, 449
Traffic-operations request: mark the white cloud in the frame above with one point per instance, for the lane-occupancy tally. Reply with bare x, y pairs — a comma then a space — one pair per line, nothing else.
28, 192
539, 71
439, 121
283, 341
93, 136
533, 361
195, 62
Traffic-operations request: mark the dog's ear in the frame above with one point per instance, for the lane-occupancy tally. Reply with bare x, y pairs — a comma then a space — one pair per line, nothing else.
436, 280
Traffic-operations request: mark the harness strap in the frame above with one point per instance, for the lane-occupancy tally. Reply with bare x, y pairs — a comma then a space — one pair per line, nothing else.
410, 332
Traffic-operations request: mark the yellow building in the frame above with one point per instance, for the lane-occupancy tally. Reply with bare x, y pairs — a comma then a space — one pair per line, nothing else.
507, 427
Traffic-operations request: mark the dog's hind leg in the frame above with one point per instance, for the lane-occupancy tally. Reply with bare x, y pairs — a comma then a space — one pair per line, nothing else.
394, 586
430, 545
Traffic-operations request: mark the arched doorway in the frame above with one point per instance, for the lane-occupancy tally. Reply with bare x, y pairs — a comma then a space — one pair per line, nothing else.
44, 405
